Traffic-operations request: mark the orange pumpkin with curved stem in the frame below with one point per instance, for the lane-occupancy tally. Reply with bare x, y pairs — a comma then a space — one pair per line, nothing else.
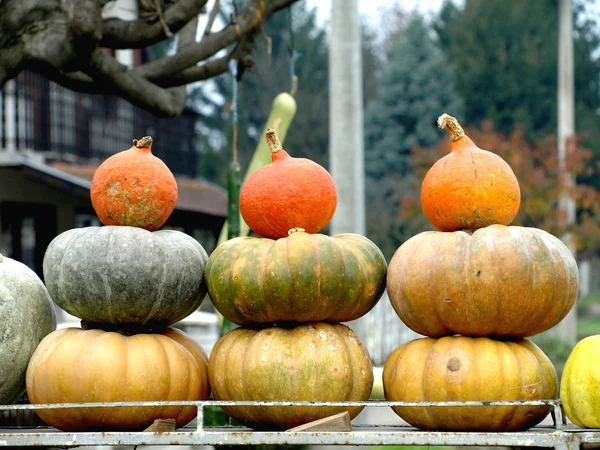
288, 193
134, 188
470, 188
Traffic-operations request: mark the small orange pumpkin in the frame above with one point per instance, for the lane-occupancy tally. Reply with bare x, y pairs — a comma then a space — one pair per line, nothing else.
134, 188
469, 188
288, 193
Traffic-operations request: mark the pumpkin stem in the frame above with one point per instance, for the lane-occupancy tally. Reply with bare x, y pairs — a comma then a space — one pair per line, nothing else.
295, 230
452, 126
273, 140
144, 142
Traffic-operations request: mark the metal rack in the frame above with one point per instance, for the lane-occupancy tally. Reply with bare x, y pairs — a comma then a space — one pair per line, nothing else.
559, 435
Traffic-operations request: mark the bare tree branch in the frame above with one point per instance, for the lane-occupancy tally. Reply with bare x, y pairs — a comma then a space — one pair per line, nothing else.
104, 69
77, 81
197, 73
247, 20
212, 16
141, 33
63, 39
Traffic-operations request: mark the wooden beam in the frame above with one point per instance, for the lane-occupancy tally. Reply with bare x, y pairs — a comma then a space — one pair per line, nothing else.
337, 422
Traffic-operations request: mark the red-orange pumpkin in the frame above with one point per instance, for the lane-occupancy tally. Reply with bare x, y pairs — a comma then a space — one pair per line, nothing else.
469, 188
74, 365
134, 188
288, 193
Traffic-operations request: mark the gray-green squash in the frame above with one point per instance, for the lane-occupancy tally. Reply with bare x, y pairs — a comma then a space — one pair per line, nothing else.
126, 277
27, 316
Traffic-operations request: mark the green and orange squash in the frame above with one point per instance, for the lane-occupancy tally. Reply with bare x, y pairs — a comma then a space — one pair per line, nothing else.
301, 278
303, 363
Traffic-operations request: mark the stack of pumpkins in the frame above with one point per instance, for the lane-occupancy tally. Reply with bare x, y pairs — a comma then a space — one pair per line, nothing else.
477, 277
128, 283
289, 289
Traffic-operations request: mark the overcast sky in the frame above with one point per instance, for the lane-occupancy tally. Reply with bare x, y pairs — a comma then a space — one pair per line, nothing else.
370, 7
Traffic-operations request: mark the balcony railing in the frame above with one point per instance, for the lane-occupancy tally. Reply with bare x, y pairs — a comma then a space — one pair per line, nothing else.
38, 115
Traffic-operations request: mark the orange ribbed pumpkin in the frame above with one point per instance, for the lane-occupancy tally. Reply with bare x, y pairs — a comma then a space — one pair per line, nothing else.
470, 188
134, 188
288, 193
465, 369
74, 365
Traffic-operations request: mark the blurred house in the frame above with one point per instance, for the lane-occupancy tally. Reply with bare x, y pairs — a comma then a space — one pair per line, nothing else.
51, 141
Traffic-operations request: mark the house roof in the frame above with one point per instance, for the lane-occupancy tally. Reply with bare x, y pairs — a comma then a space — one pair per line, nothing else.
195, 195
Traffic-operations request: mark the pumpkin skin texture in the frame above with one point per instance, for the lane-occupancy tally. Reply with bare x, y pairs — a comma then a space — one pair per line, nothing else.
126, 276
579, 391
308, 362
73, 365
134, 188
288, 193
459, 368
469, 188
497, 281
302, 278
28, 316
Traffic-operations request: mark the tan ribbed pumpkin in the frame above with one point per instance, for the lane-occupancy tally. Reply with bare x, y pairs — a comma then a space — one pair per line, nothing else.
459, 368
498, 280
74, 365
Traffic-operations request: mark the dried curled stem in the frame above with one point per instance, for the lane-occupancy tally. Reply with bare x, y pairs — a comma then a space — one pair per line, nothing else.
144, 142
273, 140
453, 128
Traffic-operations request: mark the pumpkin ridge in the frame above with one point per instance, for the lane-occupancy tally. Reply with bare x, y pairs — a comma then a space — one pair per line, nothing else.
528, 317
360, 263
160, 345
437, 305
573, 277
76, 418
237, 270
557, 265
76, 236
540, 318
341, 293
263, 298
244, 393
498, 305
428, 410
317, 302
363, 293
275, 279
501, 374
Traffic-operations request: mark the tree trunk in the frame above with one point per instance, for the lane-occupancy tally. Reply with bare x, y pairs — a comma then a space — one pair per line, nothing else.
346, 117
567, 329
346, 159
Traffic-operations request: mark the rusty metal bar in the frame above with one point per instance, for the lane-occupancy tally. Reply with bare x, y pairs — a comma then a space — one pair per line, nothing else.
560, 435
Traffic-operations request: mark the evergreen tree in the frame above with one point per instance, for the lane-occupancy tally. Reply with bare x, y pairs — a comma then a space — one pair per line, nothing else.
505, 56
415, 88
